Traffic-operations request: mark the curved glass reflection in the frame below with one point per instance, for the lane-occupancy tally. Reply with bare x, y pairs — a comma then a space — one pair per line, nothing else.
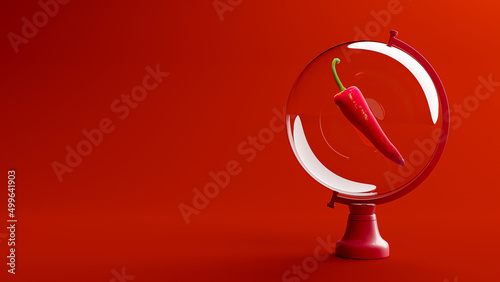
401, 95
413, 66
317, 170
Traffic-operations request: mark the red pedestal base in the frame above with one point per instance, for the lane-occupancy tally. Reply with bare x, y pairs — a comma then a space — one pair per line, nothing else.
362, 239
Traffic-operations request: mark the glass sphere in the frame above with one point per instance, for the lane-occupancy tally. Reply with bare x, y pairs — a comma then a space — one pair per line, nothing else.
401, 95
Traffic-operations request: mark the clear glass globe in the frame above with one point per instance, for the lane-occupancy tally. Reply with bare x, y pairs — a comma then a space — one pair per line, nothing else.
401, 95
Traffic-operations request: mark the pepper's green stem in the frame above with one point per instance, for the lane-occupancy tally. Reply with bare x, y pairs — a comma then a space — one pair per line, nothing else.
336, 61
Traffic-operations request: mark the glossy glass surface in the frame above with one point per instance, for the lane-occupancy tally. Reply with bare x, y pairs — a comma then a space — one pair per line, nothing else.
400, 94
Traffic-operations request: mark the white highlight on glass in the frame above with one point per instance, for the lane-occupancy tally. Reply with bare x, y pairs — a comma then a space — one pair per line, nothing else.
412, 65
317, 170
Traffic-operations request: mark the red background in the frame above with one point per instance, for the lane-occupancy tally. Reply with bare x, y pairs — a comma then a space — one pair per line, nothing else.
119, 207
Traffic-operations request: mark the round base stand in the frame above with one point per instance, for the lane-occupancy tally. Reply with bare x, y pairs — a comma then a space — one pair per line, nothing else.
362, 239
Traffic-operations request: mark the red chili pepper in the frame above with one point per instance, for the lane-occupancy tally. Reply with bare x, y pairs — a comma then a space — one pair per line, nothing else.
354, 107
